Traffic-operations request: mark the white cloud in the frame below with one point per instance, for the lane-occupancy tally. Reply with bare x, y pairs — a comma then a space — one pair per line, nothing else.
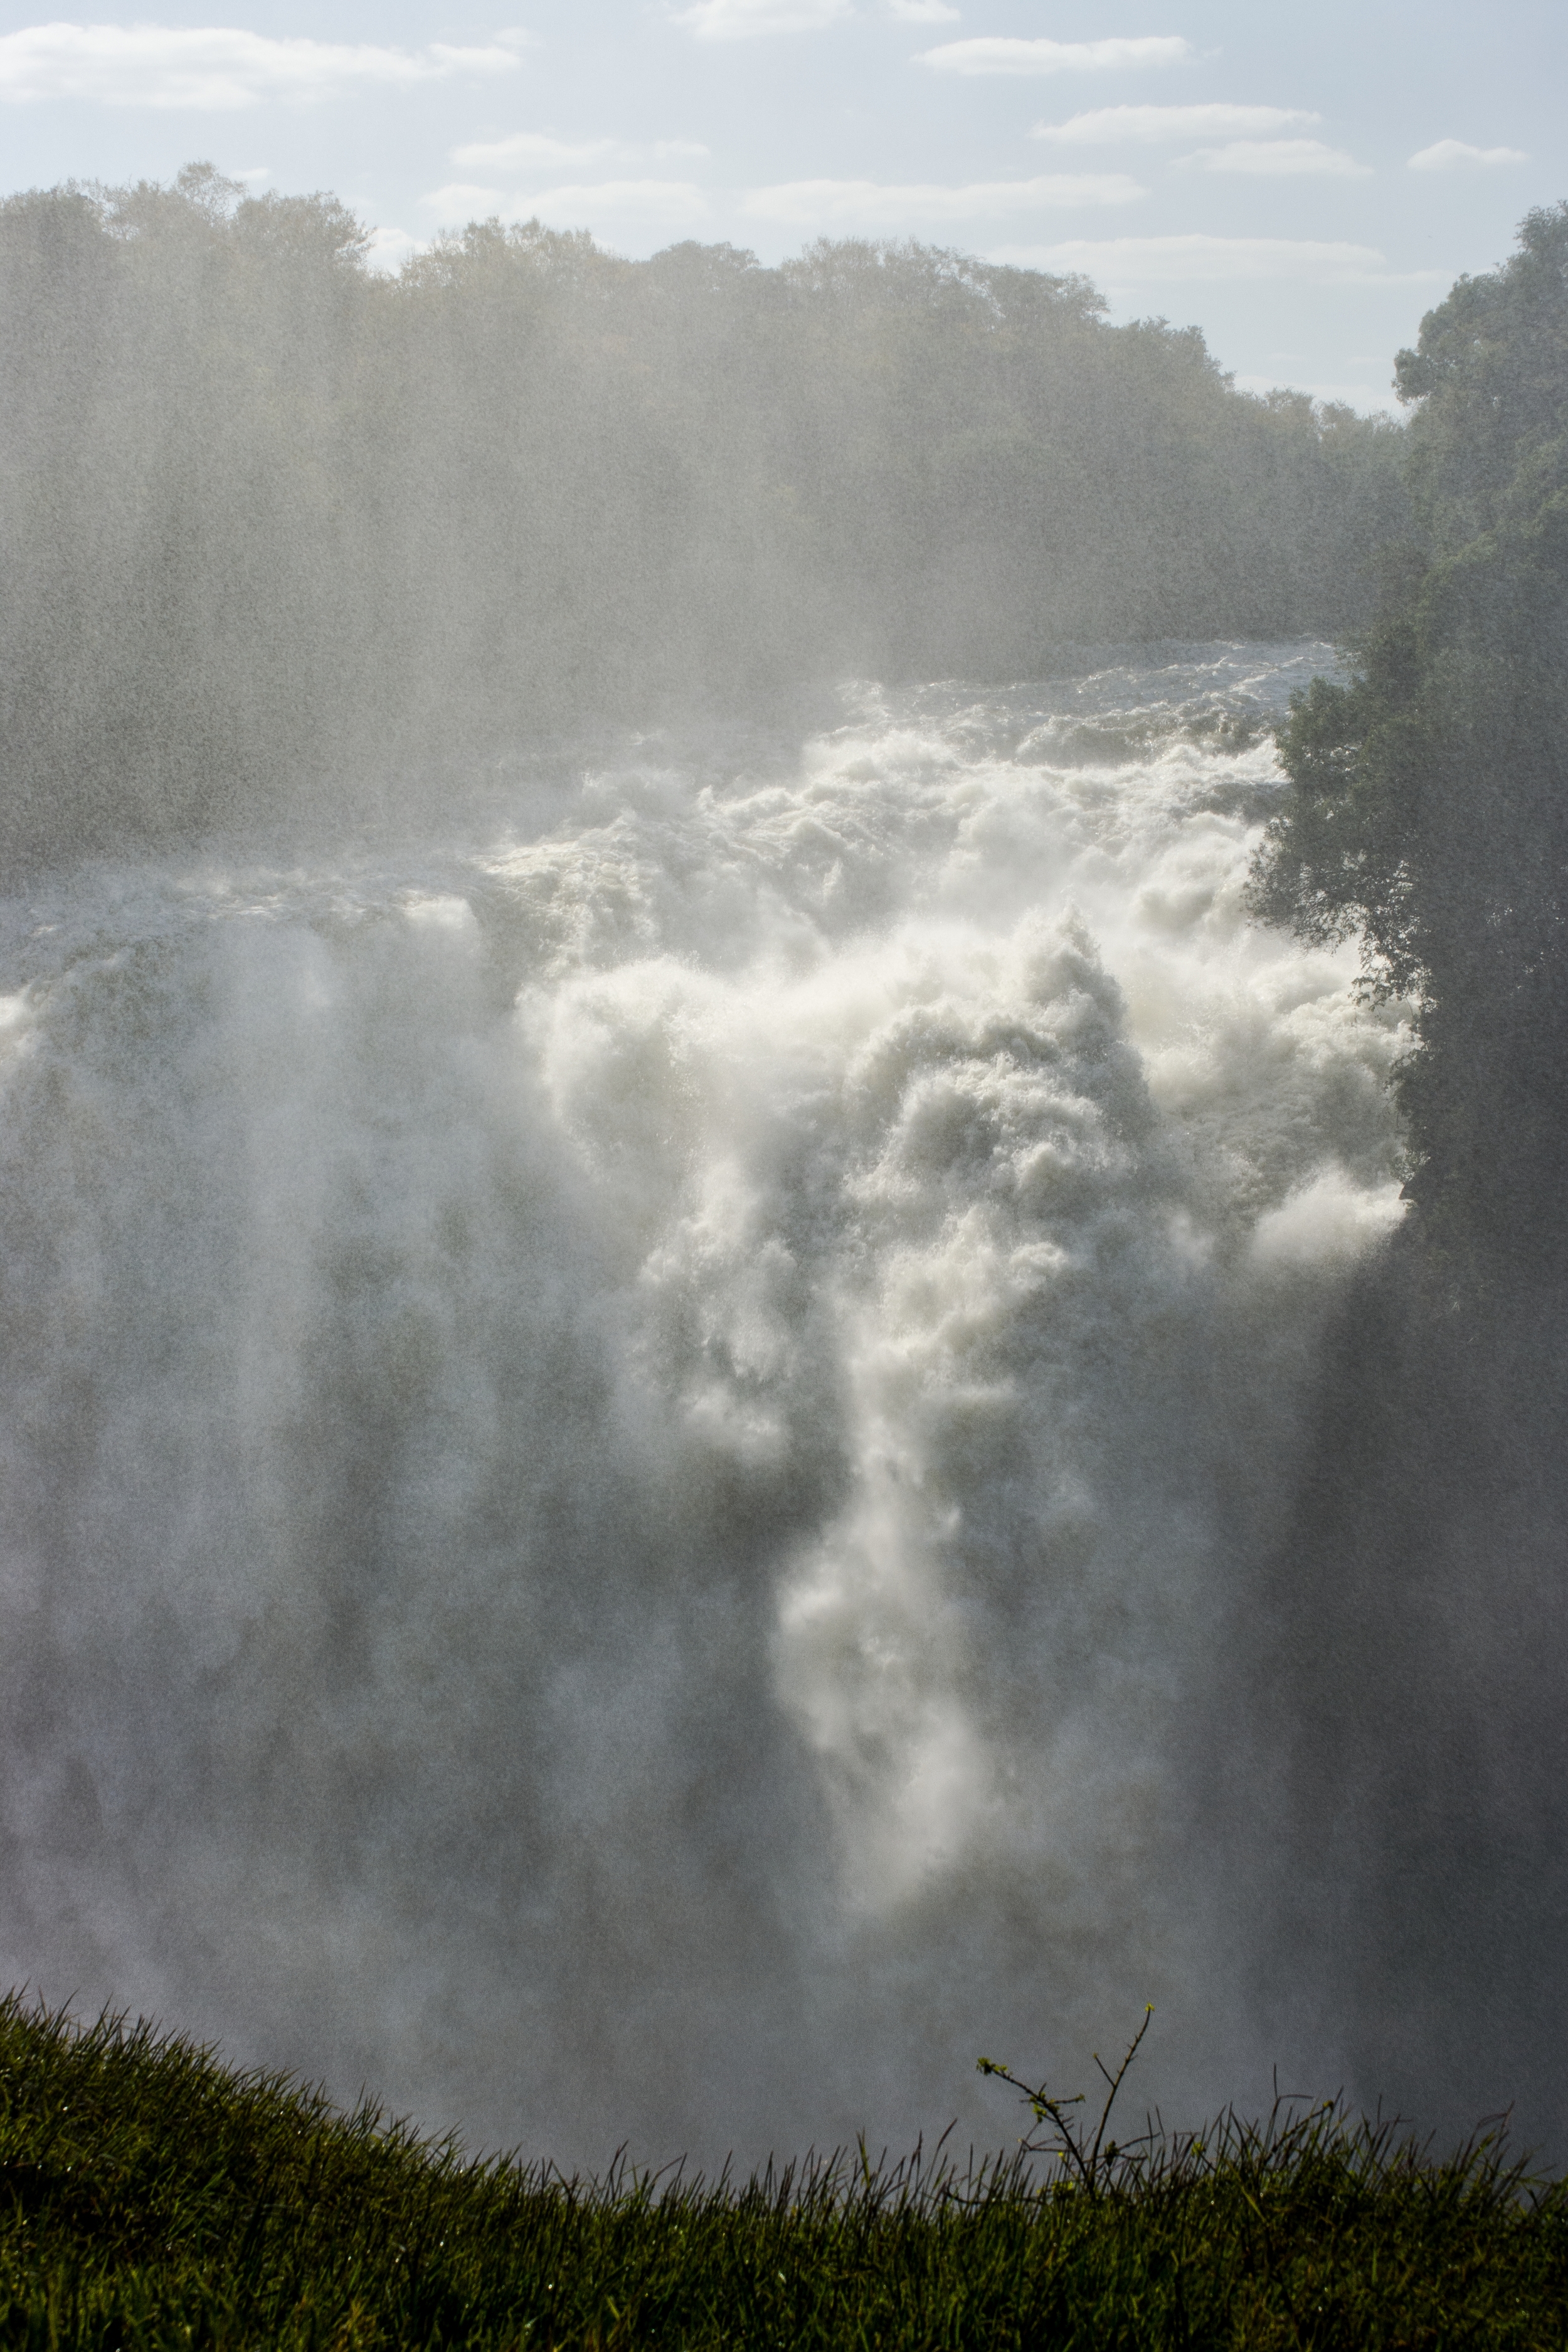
216, 68
1276, 159
1106, 126
922, 12
743, 20
870, 203
1002, 56
538, 150
1452, 155
388, 250
1366, 399
460, 201
1135, 262
663, 203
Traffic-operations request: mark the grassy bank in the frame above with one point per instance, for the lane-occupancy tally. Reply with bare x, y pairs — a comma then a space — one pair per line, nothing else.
153, 2198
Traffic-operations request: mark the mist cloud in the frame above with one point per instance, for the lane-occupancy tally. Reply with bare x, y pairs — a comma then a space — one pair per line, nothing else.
219, 69
665, 1330
687, 1474
1001, 55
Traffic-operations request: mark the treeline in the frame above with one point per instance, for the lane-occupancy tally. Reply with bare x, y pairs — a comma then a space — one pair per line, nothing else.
270, 521
1429, 812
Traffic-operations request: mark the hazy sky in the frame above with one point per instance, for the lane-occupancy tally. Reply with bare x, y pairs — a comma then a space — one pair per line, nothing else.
1300, 181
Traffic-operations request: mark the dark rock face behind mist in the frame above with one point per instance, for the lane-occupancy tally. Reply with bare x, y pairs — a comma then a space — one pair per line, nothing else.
1424, 1587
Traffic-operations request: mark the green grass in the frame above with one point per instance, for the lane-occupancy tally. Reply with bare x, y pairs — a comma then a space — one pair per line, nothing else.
154, 2198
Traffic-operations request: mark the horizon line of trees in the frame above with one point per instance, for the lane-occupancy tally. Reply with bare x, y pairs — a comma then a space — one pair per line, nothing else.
271, 525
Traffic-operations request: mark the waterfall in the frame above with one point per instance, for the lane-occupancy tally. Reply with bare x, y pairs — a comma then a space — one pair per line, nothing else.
634, 1422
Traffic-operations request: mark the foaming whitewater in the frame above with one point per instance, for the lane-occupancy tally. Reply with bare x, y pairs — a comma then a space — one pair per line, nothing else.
633, 1432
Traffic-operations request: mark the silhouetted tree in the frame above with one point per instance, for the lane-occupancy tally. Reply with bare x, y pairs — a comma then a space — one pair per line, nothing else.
1428, 811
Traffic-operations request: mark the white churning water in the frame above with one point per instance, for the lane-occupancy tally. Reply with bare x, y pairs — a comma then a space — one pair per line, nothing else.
628, 1439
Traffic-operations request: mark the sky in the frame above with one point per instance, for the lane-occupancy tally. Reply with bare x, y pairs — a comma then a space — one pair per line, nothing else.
1301, 182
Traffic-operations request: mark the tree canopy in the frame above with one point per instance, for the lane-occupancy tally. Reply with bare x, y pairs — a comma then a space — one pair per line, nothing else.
270, 520
1428, 803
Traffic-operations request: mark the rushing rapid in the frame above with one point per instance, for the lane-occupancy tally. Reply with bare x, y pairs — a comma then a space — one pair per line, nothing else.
633, 1436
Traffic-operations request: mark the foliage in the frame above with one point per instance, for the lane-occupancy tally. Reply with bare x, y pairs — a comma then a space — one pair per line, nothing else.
272, 523
155, 2199
1428, 810
1093, 2161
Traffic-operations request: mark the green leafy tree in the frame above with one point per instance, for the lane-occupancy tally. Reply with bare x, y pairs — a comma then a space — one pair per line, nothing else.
1429, 804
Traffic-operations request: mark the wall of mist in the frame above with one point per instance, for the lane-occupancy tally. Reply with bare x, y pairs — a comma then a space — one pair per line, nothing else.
692, 1425
1398, 1759
648, 1447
